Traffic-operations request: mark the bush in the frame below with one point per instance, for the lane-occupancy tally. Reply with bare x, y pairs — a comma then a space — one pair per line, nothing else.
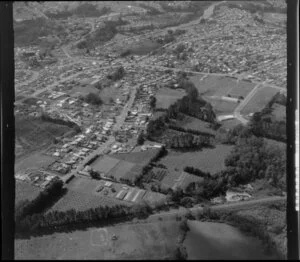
93, 98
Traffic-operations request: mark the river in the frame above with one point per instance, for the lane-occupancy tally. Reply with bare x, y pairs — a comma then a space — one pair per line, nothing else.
209, 240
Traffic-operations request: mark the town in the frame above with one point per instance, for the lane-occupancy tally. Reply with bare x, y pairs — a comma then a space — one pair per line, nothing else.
146, 105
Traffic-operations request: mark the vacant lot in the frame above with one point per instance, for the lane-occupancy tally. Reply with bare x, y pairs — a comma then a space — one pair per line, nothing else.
25, 191
259, 100
167, 96
189, 122
134, 241
208, 160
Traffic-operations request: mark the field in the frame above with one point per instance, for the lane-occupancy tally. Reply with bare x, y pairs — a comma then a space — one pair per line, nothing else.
134, 241
189, 122
104, 164
221, 107
213, 85
143, 47
108, 93
35, 160
259, 100
25, 191
33, 134
208, 160
182, 181
279, 112
83, 90
231, 123
167, 96
242, 89
122, 168
82, 201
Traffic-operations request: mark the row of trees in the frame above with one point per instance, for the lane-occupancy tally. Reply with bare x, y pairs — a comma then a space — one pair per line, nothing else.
186, 140
55, 219
59, 121
196, 172
191, 131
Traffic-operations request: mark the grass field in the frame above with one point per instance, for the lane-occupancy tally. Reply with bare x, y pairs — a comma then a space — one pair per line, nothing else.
213, 85
33, 133
182, 181
259, 100
231, 123
241, 89
121, 169
189, 122
25, 191
221, 107
143, 47
105, 164
108, 93
134, 241
208, 160
167, 96
34, 160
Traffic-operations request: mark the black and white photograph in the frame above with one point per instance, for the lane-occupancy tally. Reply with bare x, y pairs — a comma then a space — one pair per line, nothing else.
150, 130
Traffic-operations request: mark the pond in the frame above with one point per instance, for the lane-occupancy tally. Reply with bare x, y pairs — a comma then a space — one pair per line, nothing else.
209, 240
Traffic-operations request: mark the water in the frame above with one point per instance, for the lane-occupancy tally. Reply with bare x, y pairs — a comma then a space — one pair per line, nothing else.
207, 240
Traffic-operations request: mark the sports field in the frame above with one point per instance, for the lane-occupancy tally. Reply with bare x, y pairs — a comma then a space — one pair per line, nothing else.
133, 241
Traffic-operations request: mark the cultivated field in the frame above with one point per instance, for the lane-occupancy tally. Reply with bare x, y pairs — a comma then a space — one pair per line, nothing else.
134, 241
167, 96
25, 191
259, 100
208, 160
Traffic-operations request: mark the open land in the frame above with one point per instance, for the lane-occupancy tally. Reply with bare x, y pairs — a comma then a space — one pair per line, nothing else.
136, 241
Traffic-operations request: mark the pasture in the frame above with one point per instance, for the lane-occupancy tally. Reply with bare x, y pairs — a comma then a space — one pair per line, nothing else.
221, 107
189, 122
167, 96
25, 190
231, 123
213, 85
35, 160
242, 88
259, 100
134, 241
208, 160
104, 164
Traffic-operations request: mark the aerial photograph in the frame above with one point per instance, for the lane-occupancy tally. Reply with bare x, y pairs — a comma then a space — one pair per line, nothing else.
150, 130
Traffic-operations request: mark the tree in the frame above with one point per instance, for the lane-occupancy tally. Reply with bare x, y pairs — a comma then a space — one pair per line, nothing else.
140, 139
152, 101
93, 98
